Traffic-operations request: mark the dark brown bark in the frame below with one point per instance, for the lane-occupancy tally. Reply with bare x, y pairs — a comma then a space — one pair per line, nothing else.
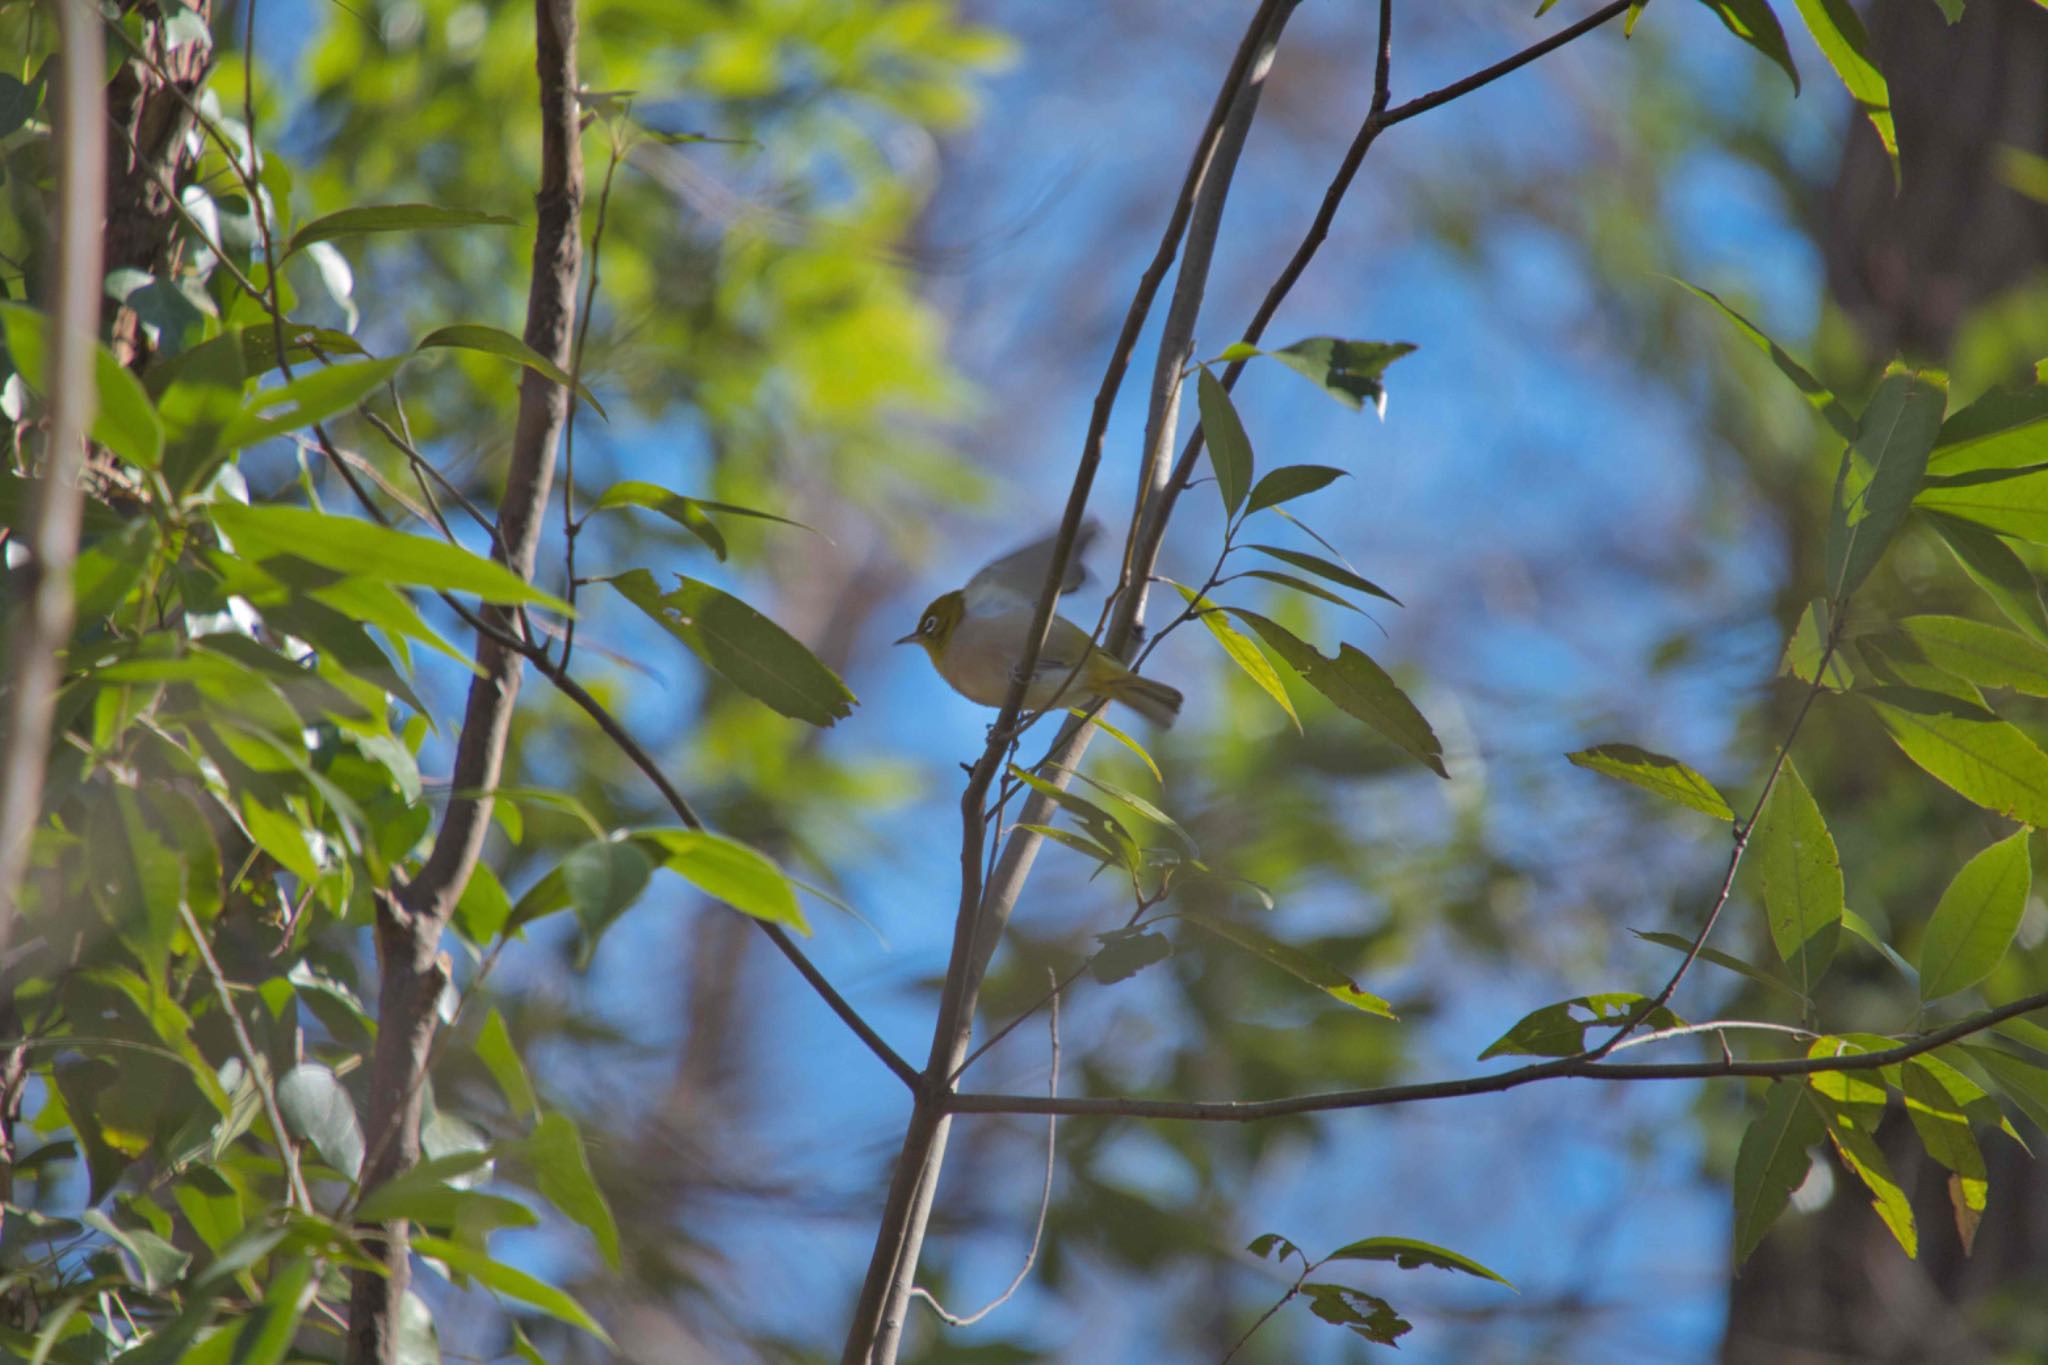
411, 969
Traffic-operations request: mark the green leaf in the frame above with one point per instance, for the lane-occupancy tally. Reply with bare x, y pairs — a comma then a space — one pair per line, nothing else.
348, 545
1772, 1162
744, 647
1349, 371
2023, 1082
495, 1049
1356, 686
1993, 566
1294, 962
1103, 828
1230, 450
1801, 875
1967, 747
727, 870
1126, 952
1266, 1243
1368, 1315
1289, 482
1808, 644
1120, 737
1816, 393
1108, 857
601, 881
1755, 23
1944, 1129
1146, 812
368, 218
1560, 1030
1881, 473
563, 1174
1986, 655
2004, 429
1300, 585
1242, 651
1860, 1153
688, 513
1976, 918
1680, 944
1843, 42
1863, 929
1408, 1253
267, 1336
513, 1284
158, 1264
313, 397
1665, 777
123, 420
1336, 573
430, 1193
474, 336
316, 1106
2012, 502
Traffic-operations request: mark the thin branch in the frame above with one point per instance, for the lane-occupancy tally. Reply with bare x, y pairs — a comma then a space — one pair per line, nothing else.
43, 620
1052, 1129
572, 526
1422, 104
1251, 1111
258, 1065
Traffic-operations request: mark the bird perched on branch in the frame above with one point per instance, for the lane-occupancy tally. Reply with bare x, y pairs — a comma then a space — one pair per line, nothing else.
976, 638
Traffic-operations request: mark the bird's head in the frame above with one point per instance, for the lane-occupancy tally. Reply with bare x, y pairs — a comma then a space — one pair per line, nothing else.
935, 627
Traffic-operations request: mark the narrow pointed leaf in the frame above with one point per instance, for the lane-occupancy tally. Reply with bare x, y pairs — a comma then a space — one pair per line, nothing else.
1986, 655
2005, 429
1336, 573
1844, 43
1230, 450
368, 218
1881, 473
2012, 502
1356, 686
728, 870
1290, 482
1665, 777
352, 546
750, 651
1301, 585
562, 1172
1242, 651
1977, 916
1816, 393
1755, 23
474, 336
513, 1284
1296, 963
1860, 1153
1349, 371
1408, 1253
1993, 566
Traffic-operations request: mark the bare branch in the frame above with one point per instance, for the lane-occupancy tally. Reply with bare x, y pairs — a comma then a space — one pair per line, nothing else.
1252, 1111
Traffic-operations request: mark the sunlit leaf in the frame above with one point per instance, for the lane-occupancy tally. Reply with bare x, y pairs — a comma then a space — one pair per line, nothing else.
1993, 566
314, 396
474, 336
495, 1049
1349, 371
1665, 777
1971, 750
1245, 654
1944, 1130
2012, 502
1986, 655
2005, 429
1755, 23
1860, 1153
123, 419
353, 546
727, 870
692, 514
1843, 42
1808, 645
513, 1284
1795, 860
1977, 916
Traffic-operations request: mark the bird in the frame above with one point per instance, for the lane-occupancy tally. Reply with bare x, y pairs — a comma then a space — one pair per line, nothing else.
976, 637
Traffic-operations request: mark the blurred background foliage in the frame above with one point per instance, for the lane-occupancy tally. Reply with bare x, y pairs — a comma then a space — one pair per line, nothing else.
861, 260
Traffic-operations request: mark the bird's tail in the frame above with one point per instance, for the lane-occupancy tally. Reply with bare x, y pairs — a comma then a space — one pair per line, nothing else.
1149, 697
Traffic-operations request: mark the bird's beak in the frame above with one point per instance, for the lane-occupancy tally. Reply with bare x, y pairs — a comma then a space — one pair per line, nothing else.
909, 639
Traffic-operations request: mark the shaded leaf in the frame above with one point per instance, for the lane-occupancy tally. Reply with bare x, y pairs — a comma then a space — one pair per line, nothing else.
1300, 585
475, 336
1977, 916
1336, 573
692, 514
495, 1049
313, 396
1772, 1162
1560, 1030
123, 419
1408, 1253
1356, 686
1266, 1243
562, 1172
368, 218
1126, 952
1366, 1314
1349, 371
1290, 482
316, 1106
1230, 450
744, 647
1680, 944
1993, 566
1881, 473
1816, 393
1944, 1130
1665, 777
1807, 646
1755, 23
1295, 962
513, 1284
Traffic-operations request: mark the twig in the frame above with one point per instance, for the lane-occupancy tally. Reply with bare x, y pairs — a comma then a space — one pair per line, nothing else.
1251, 1111
259, 1067
572, 525
1044, 1199
43, 621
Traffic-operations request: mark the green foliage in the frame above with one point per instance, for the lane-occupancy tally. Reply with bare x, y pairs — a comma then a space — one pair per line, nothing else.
1560, 1030
1666, 777
1801, 877
1978, 914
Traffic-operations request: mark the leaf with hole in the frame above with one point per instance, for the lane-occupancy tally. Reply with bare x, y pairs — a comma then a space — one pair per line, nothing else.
1560, 1030
1349, 371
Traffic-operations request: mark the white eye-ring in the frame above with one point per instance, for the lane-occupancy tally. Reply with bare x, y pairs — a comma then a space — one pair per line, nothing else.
930, 624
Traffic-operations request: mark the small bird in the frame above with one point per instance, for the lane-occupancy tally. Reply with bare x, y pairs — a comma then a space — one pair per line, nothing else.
976, 638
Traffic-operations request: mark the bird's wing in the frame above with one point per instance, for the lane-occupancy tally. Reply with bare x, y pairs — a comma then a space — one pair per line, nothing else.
1014, 580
